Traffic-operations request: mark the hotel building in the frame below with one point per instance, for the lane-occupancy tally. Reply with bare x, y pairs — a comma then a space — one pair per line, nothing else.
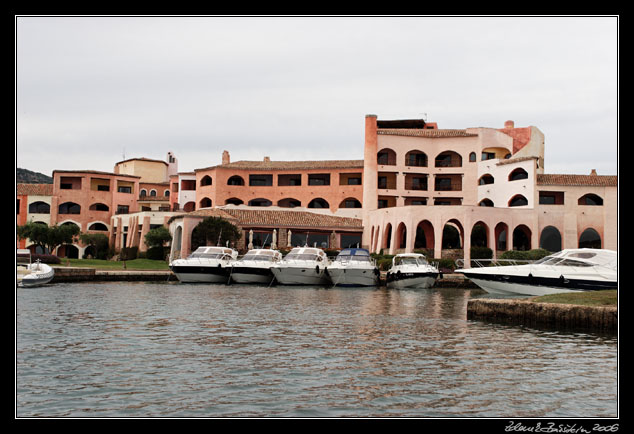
417, 187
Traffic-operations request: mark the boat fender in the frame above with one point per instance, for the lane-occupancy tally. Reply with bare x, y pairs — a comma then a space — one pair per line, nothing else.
376, 271
317, 269
398, 275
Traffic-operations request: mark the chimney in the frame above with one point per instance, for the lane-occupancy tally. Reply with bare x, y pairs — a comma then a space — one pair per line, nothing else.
509, 124
593, 172
267, 159
225, 157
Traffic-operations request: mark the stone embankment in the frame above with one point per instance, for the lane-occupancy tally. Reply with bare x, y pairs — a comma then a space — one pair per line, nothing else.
77, 274
532, 314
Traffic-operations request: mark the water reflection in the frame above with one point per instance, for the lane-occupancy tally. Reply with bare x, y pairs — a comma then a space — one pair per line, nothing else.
201, 350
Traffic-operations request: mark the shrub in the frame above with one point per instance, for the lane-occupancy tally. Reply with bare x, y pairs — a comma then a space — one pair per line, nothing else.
128, 253
157, 253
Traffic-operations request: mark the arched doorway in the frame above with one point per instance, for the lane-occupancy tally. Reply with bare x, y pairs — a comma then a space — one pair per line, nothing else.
452, 235
424, 235
590, 239
387, 236
521, 238
550, 239
501, 236
480, 235
401, 236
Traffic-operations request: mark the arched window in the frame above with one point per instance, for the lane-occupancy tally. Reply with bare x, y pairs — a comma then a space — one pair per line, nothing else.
39, 208
486, 179
99, 207
448, 159
206, 180
350, 202
386, 157
518, 200
590, 199
143, 192
233, 201
472, 157
518, 174
205, 202
97, 227
153, 193
416, 158
486, 202
318, 203
260, 202
69, 208
235, 180
289, 203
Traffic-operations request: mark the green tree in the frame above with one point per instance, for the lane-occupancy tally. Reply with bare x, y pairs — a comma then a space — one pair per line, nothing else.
48, 237
214, 231
158, 237
99, 242
155, 239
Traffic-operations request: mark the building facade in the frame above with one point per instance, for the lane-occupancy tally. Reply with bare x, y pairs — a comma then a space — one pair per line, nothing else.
417, 187
486, 185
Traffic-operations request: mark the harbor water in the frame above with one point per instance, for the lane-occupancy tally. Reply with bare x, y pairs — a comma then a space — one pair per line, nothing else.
197, 350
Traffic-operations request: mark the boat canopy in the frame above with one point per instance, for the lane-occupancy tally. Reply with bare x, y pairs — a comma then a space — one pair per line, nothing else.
213, 252
306, 253
409, 258
262, 255
353, 255
582, 257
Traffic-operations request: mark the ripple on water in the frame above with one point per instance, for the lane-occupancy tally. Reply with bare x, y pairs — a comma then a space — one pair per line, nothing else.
172, 350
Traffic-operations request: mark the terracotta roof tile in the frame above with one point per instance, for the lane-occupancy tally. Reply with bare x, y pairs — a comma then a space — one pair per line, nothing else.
280, 218
578, 180
34, 189
291, 165
419, 132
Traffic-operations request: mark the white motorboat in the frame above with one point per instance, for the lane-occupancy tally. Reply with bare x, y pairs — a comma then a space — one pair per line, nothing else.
302, 266
353, 267
255, 266
570, 270
206, 264
411, 270
32, 273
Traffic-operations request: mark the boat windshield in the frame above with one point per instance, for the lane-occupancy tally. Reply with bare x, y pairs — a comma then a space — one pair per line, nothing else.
263, 258
206, 255
353, 255
303, 257
410, 260
562, 262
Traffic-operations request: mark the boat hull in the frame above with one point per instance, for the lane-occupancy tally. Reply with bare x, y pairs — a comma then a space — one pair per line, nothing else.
536, 286
300, 276
353, 276
411, 280
251, 275
201, 274
38, 274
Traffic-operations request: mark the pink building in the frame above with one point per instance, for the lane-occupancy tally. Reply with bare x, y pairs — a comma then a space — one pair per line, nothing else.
486, 185
417, 187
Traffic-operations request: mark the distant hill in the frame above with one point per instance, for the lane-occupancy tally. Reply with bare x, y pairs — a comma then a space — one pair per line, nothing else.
25, 176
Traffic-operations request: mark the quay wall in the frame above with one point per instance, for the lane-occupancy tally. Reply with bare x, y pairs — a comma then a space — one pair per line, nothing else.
77, 274
529, 313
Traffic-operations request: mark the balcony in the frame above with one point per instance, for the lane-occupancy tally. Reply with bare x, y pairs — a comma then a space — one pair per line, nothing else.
448, 183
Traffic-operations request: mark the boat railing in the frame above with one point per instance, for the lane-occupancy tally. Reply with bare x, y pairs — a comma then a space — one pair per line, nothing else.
479, 263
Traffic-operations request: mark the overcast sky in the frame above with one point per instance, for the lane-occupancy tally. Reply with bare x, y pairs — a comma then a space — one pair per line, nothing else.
93, 90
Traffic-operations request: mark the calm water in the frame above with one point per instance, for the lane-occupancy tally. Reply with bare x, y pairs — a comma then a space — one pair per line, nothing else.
174, 350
